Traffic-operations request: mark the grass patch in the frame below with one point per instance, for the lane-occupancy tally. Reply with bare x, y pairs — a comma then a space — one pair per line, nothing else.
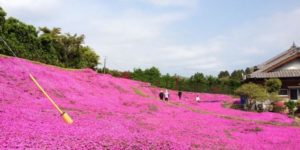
119, 88
152, 107
72, 102
228, 134
256, 129
139, 92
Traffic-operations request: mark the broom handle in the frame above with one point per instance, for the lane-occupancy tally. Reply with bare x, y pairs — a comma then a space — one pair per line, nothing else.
43, 91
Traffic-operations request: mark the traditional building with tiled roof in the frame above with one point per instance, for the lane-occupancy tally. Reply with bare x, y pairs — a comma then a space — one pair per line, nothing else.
286, 67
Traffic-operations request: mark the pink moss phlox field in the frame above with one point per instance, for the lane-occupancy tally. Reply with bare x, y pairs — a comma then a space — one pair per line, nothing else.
115, 113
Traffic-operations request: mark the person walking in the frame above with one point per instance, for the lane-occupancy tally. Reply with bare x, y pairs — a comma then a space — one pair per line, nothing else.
179, 94
161, 95
166, 95
198, 99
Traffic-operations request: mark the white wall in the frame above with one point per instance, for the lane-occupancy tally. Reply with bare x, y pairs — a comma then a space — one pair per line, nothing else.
295, 64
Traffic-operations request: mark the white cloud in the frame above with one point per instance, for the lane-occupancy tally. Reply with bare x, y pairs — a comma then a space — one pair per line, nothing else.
31, 9
258, 40
36, 6
183, 3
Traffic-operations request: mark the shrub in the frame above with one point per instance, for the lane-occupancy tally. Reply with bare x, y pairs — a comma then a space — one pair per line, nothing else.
291, 105
278, 106
273, 85
298, 103
298, 108
274, 97
253, 93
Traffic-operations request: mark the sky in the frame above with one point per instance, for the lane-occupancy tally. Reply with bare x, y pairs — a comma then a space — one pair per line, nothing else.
177, 36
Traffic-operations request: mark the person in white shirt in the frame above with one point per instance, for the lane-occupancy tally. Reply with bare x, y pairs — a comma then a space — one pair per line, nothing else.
198, 98
166, 95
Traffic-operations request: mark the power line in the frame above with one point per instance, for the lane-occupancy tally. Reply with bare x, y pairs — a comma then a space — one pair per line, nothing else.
8, 46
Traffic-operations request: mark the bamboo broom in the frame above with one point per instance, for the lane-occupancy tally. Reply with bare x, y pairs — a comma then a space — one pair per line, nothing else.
64, 115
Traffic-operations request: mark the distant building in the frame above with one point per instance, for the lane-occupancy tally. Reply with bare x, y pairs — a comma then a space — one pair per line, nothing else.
286, 67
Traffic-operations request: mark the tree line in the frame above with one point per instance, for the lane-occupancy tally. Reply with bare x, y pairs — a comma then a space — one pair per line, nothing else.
225, 82
45, 45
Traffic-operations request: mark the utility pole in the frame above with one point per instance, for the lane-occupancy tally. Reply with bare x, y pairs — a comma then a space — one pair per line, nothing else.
104, 67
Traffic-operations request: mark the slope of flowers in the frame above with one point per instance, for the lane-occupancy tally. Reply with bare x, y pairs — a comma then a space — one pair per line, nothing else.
114, 113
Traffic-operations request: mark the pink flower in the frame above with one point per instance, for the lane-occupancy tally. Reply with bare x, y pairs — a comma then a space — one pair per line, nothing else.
109, 114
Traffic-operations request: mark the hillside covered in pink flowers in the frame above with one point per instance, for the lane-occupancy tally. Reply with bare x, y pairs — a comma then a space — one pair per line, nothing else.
116, 113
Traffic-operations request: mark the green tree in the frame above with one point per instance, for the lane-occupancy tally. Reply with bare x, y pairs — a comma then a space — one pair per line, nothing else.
198, 82
237, 75
166, 81
67, 50
223, 74
22, 38
88, 57
248, 70
45, 45
182, 84
273, 85
152, 75
253, 92
138, 74
212, 84
2, 19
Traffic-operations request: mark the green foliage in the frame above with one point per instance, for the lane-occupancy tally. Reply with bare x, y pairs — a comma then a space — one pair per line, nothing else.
166, 81
212, 83
198, 82
291, 105
237, 75
248, 70
252, 92
22, 38
152, 75
115, 73
274, 97
45, 45
273, 85
223, 74
138, 74
2, 18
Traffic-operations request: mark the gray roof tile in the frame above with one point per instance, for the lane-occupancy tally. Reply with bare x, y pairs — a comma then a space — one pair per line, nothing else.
276, 74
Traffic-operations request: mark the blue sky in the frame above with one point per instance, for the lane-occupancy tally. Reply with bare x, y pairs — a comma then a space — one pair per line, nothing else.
177, 36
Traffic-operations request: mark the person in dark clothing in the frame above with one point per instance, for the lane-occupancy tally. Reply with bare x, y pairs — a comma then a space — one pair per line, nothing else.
179, 94
161, 95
